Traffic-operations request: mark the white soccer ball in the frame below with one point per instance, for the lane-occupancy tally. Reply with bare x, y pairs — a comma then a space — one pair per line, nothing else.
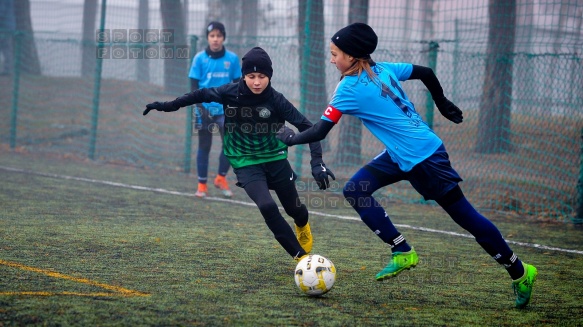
315, 275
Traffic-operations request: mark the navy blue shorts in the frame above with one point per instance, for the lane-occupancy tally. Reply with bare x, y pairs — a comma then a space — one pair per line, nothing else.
432, 178
276, 174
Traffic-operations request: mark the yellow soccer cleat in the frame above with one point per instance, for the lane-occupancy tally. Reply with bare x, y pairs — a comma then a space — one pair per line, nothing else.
304, 235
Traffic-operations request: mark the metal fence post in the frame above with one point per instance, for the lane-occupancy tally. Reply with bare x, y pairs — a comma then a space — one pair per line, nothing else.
15, 87
298, 162
579, 217
456, 59
189, 134
97, 86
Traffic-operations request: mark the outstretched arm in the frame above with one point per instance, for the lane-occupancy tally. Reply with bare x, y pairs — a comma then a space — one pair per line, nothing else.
428, 77
196, 96
446, 107
320, 172
203, 115
313, 134
291, 115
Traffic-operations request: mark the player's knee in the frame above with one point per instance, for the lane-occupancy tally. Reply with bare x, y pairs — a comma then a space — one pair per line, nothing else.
450, 197
204, 146
299, 210
268, 209
354, 190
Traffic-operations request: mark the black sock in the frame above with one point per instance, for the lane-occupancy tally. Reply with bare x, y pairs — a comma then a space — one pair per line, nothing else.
399, 244
513, 265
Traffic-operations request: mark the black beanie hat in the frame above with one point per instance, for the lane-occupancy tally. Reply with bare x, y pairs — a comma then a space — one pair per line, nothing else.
257, 61
216, 26
357, 40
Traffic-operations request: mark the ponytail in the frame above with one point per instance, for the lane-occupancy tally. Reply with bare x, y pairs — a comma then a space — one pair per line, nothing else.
362, 65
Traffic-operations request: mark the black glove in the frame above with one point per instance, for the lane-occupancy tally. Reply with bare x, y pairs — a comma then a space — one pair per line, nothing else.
160, 106
321, 173
285, 134
449, 110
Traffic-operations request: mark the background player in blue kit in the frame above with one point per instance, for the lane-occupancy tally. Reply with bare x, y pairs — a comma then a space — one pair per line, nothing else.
212, 67
372, 92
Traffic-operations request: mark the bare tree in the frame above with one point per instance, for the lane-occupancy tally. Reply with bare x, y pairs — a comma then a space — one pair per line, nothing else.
142, 69
229, 13
408, 22
350, 126
88, 56
249, 25
559, 23
524, 66
241, 20
313, 97
339, 14
175, 66
426, 18
496, 101
29, 56
577, 65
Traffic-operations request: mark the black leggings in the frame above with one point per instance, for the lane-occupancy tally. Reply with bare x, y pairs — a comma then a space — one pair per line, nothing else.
288, 196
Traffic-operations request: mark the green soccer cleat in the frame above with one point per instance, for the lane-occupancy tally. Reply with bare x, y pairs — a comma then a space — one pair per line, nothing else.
399, 262
523, 286
304, 235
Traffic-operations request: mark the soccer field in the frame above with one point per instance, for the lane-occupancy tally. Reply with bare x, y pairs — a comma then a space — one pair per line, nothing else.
88, 244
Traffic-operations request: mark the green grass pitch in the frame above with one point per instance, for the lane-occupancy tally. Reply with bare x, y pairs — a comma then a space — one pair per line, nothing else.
80, 252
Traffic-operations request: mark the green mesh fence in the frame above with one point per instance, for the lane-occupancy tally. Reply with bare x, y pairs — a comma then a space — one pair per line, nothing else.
513, 67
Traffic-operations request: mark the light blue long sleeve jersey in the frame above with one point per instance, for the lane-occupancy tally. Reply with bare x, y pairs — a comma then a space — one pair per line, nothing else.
211, 72
387, 112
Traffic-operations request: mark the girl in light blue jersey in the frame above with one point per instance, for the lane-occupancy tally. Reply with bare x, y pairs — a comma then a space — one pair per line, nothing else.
372, 92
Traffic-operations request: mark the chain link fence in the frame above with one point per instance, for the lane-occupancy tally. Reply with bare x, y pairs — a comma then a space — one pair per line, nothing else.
96, 113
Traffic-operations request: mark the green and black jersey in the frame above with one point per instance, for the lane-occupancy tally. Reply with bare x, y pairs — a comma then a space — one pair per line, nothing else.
251, 122
250, 134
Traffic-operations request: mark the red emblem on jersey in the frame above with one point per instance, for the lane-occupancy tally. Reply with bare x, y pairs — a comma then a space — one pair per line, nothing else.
333, 114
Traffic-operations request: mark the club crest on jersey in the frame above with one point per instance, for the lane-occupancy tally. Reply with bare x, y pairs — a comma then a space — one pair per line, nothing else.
264, 113
226, 64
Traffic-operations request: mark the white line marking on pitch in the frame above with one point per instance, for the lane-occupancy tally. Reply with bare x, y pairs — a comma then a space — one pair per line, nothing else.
250, 204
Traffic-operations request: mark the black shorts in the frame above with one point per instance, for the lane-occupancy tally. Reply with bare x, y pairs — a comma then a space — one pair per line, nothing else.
432, 178
276, 174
